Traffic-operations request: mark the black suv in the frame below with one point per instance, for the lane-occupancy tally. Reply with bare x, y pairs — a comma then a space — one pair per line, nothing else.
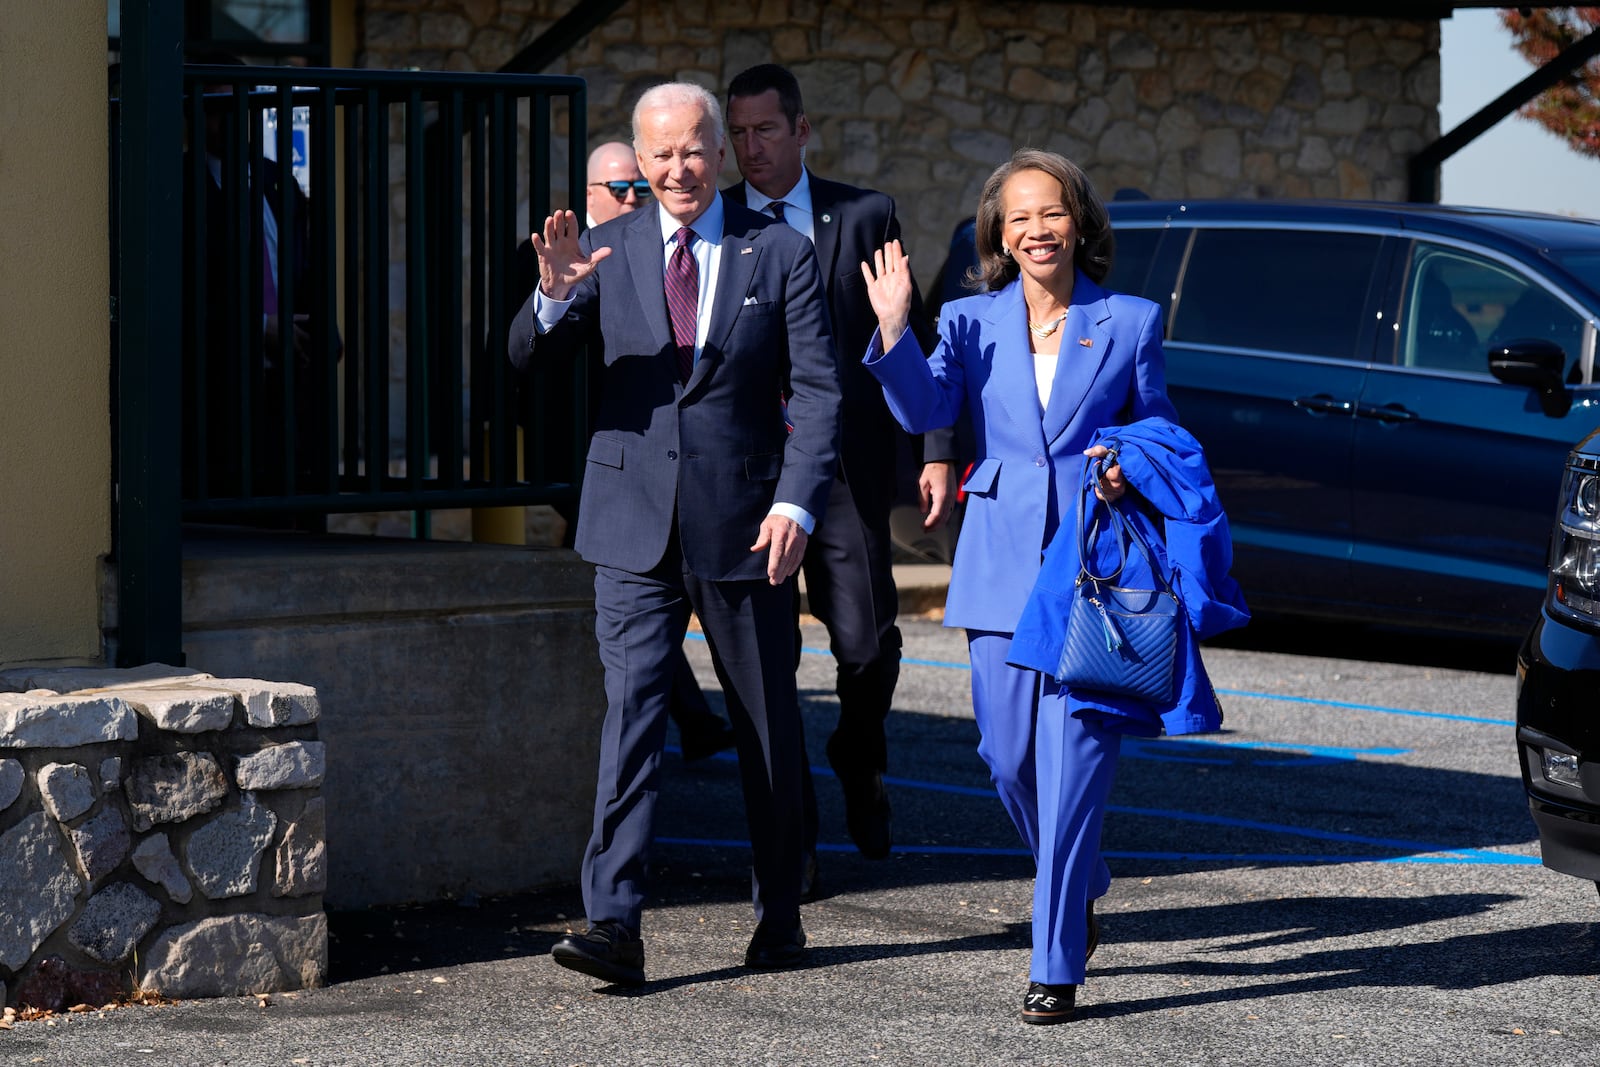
1558, 680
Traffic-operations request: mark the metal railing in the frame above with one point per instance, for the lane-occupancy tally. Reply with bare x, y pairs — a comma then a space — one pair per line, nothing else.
389, 251
388, 248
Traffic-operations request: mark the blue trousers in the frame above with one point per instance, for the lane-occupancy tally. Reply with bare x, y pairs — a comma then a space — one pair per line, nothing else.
1053, 772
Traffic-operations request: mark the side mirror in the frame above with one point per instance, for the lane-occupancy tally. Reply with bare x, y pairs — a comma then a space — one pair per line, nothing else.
1537, 364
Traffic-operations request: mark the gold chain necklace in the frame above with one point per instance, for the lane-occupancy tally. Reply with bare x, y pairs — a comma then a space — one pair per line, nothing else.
1048, 328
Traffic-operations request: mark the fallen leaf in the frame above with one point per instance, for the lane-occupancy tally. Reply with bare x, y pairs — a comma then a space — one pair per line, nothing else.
439, 981
79, 1009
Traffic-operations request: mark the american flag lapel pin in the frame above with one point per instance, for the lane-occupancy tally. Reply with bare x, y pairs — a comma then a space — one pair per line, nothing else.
1086, 342
746, 251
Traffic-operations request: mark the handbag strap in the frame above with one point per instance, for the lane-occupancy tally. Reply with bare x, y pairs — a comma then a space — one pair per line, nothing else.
1120, 526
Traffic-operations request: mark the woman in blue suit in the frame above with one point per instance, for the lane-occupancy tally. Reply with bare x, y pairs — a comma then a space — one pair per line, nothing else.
1039, 361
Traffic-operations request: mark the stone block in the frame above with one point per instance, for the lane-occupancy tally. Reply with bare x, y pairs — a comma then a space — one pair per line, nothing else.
11, 778
229, 956
224, 855
155, 860
268, 704
302, 856
101, 842
41, 720
79, 679
38, 886
1124, 142
294, 765
66, 789
184, 711
110, 774
113, 921
173, 788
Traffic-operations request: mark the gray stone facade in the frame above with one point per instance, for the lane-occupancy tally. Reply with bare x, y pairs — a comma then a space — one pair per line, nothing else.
923, 98
128, 849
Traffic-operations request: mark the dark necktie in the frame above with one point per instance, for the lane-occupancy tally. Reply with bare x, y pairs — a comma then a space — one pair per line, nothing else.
683, 299
776, 207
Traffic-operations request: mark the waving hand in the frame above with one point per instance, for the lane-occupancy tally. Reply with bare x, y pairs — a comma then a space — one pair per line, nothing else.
889, 289
562, 263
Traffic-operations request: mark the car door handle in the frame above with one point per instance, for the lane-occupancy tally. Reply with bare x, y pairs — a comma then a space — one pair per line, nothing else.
1323, 404
1385, 413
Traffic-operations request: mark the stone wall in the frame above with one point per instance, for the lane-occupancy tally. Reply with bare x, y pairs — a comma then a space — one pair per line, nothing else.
461, 699
160, 829
923, 98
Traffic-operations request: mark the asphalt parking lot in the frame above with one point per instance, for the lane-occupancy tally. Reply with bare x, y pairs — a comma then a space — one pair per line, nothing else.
1346, 875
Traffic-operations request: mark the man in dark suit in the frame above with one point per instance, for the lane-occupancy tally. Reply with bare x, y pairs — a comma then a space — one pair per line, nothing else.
848, 569
696, 497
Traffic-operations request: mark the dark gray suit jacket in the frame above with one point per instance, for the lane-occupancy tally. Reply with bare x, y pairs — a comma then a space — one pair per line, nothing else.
851, 224
714, 453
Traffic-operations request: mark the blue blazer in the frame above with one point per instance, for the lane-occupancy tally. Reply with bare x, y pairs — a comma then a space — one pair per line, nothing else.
712, 455
1028, 462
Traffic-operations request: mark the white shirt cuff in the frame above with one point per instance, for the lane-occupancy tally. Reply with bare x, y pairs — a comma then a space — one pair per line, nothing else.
548, 313
806, 520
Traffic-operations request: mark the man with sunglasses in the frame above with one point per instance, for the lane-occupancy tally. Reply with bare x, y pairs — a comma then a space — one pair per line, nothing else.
615, 185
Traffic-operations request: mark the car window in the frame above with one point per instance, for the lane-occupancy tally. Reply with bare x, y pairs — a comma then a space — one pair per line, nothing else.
1582, 262
1130, 266
1300, 291
1456, 306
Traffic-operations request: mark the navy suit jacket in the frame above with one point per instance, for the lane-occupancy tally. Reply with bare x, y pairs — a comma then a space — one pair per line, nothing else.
712, 455
851, 224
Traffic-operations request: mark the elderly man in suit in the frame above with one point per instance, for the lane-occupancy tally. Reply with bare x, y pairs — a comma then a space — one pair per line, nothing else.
696, 497
848, 570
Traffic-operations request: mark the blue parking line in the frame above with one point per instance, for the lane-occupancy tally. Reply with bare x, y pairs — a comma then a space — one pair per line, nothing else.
1412, 851
1382, 709
1276, 858
1285, 697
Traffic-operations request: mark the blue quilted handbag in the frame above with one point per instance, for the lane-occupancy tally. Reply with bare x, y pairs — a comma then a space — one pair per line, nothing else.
1120, 641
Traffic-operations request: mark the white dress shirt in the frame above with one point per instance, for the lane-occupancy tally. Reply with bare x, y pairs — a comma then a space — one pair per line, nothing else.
797, 209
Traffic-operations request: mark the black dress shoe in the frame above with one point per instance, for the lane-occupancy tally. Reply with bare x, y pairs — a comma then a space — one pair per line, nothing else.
702, 739
776, 952
608, 951
1047, 1004
866, 806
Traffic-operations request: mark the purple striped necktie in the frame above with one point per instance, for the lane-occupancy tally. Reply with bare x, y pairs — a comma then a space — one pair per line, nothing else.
683, 299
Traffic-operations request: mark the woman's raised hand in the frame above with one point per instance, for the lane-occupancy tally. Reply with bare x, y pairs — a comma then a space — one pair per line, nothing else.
562, 264
889, 288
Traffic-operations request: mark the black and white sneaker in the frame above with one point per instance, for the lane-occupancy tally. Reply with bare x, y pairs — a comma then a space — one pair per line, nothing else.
1047, 1004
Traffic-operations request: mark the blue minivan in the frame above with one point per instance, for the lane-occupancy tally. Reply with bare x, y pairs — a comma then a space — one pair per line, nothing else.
1386, 393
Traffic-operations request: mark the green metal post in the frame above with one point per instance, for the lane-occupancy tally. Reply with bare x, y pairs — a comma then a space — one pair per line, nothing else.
149, 336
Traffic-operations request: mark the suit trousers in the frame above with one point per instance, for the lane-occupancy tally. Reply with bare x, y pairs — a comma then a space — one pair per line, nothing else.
1053, 771
850, 588
640, 622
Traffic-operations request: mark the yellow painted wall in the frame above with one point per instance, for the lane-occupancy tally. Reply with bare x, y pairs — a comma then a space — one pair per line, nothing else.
55, 443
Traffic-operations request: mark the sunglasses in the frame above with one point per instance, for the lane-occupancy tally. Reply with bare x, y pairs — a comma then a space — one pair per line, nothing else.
619, 189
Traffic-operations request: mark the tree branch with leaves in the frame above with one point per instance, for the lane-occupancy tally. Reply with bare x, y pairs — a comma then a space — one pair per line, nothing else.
1571, 108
